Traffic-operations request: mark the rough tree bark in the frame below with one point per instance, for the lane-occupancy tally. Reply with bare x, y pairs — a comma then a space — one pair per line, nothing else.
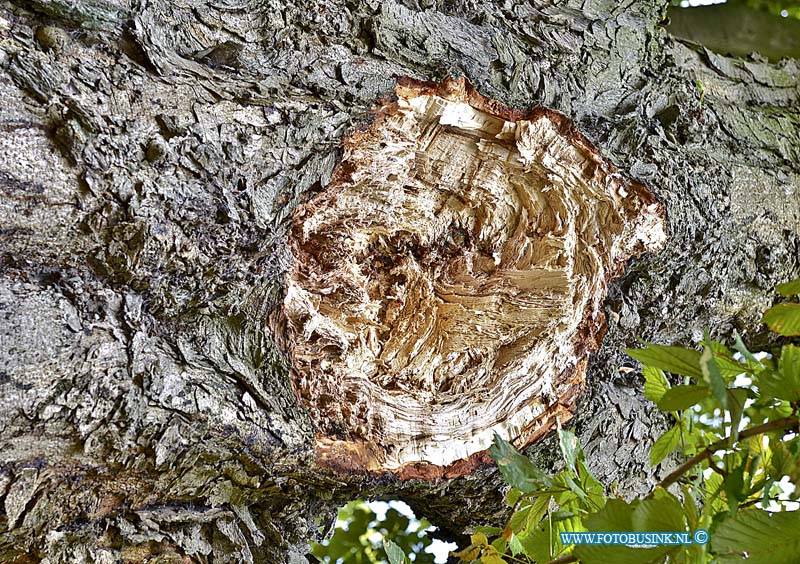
152, 154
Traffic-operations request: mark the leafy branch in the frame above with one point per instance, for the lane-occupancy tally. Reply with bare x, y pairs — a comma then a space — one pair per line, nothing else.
790, 422
730, 416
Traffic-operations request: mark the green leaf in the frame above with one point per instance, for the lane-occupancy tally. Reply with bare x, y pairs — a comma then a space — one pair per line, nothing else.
719, 349
736, 400
616, 516
728, 366
712, 376
573, 486
512, 497
692, 554
790, 363
487, 530
394, 552
469, 554
713, 503
352, 542
789, 367
615, 554
519, 519
529, 515
665, 444
595, 491
543, 543
516, 468
765, 492
479, 539
515, 546
683, 397
753, 363
394, 523
785, 382
677, 360
660, 513
690, 507
500, 544
346, 542
655, 383
538, 510
734, 486
791, 288
561, 514
570, 448
765, 538
784, 319
784, 463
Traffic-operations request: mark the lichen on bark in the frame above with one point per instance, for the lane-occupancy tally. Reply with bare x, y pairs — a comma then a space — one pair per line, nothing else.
448, 284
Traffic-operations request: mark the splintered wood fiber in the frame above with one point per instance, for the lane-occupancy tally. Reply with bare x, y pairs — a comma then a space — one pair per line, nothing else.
448, 284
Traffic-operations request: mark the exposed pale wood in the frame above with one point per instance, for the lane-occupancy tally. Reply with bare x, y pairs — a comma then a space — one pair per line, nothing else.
448, 284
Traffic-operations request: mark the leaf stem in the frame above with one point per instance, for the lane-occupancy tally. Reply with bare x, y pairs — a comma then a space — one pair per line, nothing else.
718, 470
750, 502
782, 423
563, 559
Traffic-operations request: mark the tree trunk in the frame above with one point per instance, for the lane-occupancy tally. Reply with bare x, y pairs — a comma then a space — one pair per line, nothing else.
152, 156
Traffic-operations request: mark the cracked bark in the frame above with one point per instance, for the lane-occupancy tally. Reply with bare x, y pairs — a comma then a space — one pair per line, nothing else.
152, 155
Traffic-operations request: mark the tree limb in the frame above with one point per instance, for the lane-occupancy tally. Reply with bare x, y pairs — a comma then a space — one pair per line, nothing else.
675, 475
